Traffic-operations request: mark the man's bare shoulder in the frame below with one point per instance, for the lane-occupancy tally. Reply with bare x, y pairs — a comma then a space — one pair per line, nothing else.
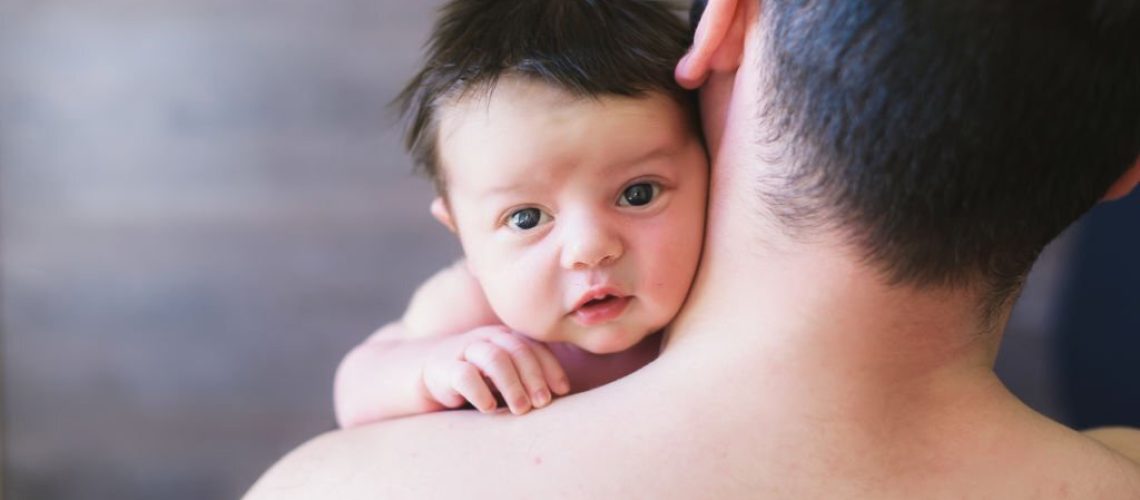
1122, 440
1084, 467
390, 459
1111, 467
545, 454
621, 440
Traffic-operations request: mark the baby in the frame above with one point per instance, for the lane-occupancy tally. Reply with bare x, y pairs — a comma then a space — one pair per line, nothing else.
571, 168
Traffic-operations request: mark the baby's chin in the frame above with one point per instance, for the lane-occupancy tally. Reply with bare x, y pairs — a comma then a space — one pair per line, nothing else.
603, 340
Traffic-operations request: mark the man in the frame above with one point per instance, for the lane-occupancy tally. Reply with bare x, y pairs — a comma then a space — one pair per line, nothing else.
883, 176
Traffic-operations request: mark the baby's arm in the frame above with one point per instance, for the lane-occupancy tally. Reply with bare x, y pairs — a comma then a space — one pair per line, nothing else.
441, 356
451, 301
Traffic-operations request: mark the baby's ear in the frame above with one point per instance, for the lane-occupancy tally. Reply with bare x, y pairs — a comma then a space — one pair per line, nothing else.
1125, 184
442, 213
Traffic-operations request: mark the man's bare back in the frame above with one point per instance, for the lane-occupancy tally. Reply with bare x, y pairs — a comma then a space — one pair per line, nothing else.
681, 441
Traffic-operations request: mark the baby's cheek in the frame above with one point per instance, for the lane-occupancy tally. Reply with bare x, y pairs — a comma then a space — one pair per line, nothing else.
673, 256
518, 299
672, 249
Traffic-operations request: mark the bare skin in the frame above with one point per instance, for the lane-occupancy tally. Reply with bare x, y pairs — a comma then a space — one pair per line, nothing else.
387, 375
793, 371
570, 297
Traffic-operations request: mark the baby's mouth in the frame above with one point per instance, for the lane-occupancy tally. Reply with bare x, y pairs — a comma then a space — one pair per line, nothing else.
608, 298
601, 309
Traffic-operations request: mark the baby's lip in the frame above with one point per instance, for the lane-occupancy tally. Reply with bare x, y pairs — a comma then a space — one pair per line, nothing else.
597, 292
604, 311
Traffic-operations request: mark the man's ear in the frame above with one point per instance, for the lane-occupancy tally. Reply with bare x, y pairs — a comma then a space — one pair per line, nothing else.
442, 213
718, 43
1125, 184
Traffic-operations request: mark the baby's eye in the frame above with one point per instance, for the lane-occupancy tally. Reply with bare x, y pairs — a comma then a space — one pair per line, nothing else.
639, 194
527, 218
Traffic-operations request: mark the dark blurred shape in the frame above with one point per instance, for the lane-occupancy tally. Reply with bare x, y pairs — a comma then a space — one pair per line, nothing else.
695, 12
1099, 331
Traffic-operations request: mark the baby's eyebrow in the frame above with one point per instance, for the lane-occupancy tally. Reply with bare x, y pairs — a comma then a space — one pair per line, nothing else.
505, 189
661, 151
518, 175
511, 190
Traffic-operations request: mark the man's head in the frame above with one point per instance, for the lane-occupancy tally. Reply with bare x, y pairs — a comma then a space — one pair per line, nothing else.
947, 141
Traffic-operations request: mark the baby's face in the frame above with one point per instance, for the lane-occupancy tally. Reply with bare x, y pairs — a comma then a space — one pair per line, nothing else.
582, 219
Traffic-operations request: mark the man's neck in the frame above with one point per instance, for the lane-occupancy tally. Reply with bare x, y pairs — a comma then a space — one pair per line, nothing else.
808, 326
814, 313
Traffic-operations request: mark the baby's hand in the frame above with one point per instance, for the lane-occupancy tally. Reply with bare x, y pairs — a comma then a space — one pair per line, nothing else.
488, 358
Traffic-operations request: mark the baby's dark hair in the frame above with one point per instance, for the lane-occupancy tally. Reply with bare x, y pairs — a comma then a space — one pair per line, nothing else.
588, 48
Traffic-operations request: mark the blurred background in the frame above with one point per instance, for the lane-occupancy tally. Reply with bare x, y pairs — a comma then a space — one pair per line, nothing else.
204, 205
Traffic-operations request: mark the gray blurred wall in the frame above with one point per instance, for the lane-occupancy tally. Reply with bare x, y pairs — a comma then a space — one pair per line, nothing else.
203, 205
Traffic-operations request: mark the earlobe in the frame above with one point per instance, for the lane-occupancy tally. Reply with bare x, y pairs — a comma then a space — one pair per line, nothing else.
1125, 184
440, 211
718, 43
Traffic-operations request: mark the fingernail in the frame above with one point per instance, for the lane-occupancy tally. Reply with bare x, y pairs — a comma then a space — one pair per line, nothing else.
563, 387
541, 398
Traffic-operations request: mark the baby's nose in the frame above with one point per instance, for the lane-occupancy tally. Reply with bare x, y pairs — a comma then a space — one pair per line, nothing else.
590, 246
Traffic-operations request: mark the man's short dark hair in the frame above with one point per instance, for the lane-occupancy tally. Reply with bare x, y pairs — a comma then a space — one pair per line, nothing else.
588, 48
952, 139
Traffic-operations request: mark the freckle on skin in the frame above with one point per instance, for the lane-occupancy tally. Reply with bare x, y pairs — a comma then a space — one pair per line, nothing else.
537, 460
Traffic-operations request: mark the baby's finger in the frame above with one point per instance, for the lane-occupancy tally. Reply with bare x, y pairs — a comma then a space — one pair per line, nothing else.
528, 367
438, 377
556, 377
468, 382
497, 365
